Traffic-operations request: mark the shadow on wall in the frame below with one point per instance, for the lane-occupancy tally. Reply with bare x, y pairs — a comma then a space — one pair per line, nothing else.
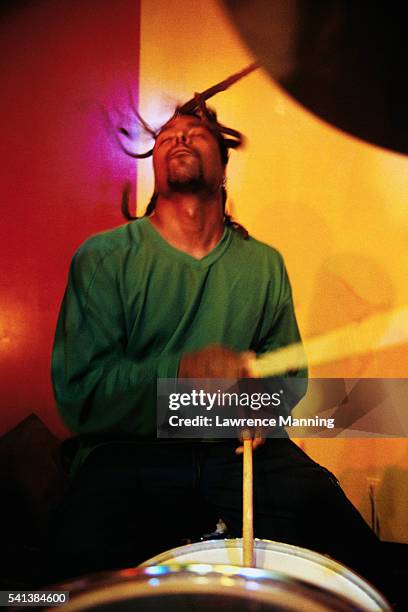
393, 502
389, 496
348, 288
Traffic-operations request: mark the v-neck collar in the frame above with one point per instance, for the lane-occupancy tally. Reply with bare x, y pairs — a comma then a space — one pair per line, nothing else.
204, 262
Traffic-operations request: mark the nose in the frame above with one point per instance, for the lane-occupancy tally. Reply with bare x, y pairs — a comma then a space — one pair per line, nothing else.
182, 137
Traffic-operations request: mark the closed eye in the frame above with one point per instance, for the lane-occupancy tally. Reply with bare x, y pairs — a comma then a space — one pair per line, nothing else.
198, 133
166, 138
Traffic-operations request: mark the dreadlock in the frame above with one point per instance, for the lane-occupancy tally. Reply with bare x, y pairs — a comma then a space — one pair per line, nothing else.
227, 138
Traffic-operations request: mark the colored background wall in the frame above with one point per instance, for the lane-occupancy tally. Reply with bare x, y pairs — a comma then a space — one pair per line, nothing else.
334, 206
62, 173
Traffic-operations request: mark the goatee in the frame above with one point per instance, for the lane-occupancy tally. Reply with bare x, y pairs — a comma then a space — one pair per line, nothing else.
185, 174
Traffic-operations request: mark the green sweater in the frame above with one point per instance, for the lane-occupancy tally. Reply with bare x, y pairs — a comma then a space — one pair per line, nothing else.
134, 305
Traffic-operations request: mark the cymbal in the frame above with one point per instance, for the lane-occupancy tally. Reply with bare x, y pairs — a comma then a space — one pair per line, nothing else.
345, 60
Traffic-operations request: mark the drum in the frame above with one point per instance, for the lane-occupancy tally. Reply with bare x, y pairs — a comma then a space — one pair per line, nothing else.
199, 588
291, 561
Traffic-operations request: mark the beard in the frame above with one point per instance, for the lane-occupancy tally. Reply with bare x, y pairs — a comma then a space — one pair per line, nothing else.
185, 174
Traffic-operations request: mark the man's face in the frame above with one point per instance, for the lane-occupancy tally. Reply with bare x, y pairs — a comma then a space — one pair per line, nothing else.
186, 158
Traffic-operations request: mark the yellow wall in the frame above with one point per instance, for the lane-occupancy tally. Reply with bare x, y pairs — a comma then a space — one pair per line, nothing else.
335, 207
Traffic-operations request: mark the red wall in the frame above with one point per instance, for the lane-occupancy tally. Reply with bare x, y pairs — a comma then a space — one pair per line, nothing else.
62, 172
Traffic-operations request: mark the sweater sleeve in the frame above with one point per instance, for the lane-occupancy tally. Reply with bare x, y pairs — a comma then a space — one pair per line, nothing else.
98, 388
281, 329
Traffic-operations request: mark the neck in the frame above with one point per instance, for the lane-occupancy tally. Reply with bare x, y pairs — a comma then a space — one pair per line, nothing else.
190, 222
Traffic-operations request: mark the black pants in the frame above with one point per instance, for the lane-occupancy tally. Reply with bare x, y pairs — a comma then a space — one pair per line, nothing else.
129, 502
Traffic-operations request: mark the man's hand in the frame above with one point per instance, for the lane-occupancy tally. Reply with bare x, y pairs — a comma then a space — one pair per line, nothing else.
255, 443
219, 362
215, 361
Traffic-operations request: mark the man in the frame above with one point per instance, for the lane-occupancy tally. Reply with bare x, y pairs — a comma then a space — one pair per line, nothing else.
183, 293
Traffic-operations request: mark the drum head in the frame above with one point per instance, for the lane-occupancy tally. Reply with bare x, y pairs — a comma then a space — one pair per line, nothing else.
199, 588
294, 562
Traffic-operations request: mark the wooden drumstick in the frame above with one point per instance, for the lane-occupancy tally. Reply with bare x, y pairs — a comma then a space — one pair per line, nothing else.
380, 331
248, 517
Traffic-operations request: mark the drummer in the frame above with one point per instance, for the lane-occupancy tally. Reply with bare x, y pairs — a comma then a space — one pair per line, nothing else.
181, 292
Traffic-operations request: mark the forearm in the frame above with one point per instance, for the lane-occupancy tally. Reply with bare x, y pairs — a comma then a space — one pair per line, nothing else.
115, 397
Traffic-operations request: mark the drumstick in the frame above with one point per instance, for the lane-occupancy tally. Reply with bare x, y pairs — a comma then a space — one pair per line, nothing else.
377, 332
247, 519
